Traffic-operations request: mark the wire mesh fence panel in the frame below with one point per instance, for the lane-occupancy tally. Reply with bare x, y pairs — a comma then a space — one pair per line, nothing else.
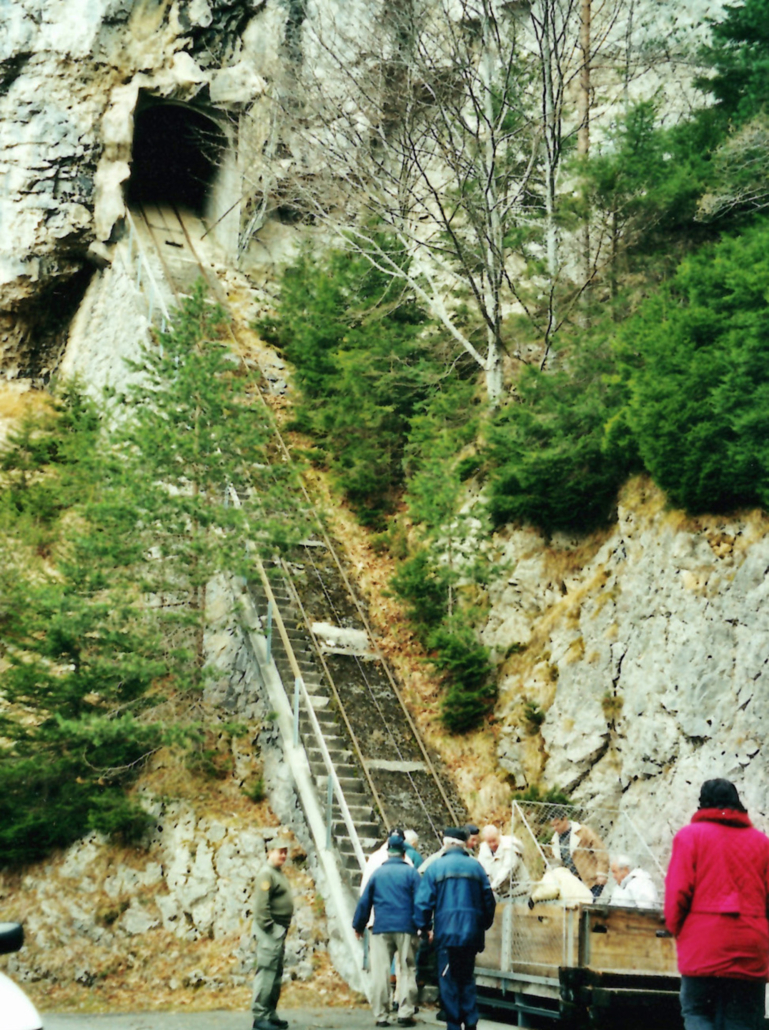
557, 839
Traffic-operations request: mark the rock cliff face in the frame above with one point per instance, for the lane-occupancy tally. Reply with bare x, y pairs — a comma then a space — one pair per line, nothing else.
646, 650
633, 664
70, 77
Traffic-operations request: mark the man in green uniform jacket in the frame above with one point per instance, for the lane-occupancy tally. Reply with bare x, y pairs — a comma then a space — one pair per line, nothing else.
273, 909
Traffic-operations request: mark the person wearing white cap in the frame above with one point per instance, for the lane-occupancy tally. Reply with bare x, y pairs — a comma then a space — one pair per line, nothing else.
273, 909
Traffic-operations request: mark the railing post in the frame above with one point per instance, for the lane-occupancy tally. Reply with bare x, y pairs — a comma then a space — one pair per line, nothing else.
269, 631
297, 690
329, 806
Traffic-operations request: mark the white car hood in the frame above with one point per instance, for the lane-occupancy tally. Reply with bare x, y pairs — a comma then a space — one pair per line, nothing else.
18, 1011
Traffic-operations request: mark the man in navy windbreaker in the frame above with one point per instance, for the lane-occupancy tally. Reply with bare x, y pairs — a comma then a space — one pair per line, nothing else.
455, 893
391, 892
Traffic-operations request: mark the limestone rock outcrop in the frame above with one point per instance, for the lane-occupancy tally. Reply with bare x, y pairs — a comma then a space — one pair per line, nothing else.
94, 906
637, 661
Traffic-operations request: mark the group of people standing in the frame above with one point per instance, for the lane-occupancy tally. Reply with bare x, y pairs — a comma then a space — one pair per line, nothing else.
716, 906
447, 905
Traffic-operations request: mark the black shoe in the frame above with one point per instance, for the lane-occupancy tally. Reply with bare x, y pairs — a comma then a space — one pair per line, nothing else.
263, 1024
407, 1021
276, 1021
382, 1022
440, 1015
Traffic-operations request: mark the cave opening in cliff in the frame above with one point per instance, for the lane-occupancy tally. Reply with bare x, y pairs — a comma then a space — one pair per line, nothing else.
178, 154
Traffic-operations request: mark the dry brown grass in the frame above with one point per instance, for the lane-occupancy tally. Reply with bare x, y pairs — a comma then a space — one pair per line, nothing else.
17, 399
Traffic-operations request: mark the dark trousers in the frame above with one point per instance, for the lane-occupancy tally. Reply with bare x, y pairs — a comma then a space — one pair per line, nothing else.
456, 984
722, 1003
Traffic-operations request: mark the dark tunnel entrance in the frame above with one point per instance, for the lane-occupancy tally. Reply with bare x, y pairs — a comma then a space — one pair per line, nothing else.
177, 154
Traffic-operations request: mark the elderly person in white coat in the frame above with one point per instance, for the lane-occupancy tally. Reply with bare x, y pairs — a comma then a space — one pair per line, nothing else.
634, 887
502, 859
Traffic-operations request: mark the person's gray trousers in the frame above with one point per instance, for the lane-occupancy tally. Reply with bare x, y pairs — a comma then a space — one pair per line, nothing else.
269, 971
383, 947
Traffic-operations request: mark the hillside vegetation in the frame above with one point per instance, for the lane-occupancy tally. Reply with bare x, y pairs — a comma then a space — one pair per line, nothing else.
652, 364
564, 312
113, 521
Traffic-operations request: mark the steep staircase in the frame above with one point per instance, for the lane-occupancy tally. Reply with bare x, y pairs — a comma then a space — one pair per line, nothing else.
369, 826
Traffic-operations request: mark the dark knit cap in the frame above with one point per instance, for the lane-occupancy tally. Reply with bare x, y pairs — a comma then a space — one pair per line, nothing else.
720, 794
455, 833
395, 844
471, 829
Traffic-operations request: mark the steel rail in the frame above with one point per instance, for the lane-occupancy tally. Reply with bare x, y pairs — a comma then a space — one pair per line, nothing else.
341, 707
396, 746
283, 634
142, 262
317, 522
364, 619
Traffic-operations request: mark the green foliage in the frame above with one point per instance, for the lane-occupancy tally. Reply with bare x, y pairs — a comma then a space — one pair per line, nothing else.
739, 56
61, 779
533, 717
191, 435
45, 465
647, 182
362, 362
551, 462
423, 583
700, 395
551, 796
256, 790
128, 511
471, 692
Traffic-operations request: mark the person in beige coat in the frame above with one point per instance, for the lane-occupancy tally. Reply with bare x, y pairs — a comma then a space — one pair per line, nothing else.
580, 850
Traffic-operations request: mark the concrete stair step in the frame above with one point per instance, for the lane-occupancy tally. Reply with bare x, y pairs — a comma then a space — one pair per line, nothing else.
339, 756
351, 785
332, 740
371, 831
360, 814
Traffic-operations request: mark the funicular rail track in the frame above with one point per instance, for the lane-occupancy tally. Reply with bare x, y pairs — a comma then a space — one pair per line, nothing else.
384, 768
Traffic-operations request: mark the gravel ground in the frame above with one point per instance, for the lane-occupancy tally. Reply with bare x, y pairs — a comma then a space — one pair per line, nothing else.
300, 1019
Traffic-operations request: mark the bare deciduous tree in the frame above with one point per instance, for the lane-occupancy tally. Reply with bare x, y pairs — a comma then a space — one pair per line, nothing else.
441, 126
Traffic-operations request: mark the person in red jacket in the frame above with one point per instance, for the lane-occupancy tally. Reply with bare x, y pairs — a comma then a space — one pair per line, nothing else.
716, 895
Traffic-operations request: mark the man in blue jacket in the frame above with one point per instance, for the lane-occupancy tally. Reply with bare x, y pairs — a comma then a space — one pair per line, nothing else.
390, 892
455, 894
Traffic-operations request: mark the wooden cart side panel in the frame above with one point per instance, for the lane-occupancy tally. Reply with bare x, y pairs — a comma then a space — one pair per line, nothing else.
547, 936
626, 940
491, 957
539, 940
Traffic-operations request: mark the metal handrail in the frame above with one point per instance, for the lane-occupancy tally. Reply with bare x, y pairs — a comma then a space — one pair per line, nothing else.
301, 690
299, 681
364, 619
144, 273
342, 711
